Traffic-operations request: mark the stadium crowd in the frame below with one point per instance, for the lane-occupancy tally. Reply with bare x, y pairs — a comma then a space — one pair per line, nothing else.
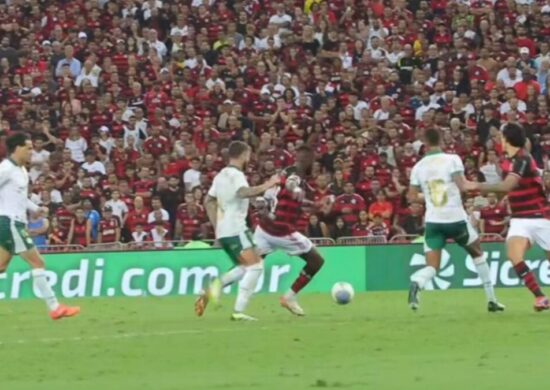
131, 104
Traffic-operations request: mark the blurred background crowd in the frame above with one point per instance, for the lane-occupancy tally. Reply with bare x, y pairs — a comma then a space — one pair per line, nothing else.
131, 105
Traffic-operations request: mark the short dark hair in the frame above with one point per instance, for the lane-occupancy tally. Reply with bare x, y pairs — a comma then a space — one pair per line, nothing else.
514, 134
304, 149
15, 140
237, 148
432, 137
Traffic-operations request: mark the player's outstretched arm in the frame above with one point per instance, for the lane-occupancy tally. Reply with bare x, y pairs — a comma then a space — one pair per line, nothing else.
508, 184
211, 207
251, 192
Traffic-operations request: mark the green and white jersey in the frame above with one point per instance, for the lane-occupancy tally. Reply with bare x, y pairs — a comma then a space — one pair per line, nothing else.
232, 210
434, 176
14, 186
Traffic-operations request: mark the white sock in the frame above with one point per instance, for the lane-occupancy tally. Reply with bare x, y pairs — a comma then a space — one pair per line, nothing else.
233, 275
485, 276
40, 283
248, 285
423, 276
290, 295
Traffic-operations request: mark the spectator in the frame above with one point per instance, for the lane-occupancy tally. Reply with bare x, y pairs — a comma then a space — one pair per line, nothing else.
109, 227
38, 158
156, 206
382, 207
494, 217
491, 169
191, 177
378, 227
38, 229
361, 228
80, 230
91, 165
190, 218
93, 216
160, 236
70, 62
349, 204
76, 144
57, 235
316, 228
118, 207
340, 229
140, 236
413, 222
106, 140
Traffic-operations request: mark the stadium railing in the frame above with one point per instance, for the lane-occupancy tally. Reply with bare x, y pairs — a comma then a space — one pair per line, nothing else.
322, 241
491, 237
60, 248
319, 241
403, 238
110, 246
363, 240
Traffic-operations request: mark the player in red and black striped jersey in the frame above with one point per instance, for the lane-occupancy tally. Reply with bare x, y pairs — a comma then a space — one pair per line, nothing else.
530, 219
278, 228
109, 227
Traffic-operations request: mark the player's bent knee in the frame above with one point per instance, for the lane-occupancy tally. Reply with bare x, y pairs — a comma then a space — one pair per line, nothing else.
250, 257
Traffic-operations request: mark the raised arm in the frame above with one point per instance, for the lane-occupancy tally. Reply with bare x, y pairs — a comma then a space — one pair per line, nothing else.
251, 192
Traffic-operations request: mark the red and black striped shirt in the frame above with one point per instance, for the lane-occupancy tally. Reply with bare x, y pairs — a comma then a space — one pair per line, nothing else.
285, 211
528, 199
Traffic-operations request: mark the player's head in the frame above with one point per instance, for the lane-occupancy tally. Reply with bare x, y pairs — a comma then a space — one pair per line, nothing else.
432, 138
513, 138
239, 153
304, 157
19, 147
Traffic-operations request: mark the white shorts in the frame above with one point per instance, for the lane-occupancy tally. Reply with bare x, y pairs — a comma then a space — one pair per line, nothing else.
536, 230
294, 244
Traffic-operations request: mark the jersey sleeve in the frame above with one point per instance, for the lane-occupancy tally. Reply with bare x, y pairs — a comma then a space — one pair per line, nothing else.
212, 192
239, 181
521, 166
32, 207
4, 174
415, 180
457, 167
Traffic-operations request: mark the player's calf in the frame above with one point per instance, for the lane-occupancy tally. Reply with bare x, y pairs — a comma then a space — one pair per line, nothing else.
314, 263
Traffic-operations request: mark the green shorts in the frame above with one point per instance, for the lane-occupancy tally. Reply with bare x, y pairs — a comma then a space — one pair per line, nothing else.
14, 237
437, 234
234, 246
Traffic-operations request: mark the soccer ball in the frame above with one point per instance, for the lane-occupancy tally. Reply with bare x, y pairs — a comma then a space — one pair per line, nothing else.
342, 293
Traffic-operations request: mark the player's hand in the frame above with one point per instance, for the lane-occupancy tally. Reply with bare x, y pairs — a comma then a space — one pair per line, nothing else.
273, 181
471, 186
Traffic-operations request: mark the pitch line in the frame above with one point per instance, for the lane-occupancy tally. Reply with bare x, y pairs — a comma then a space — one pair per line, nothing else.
132, 335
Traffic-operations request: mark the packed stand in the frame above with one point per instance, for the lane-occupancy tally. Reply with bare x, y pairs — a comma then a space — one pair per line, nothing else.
131, 105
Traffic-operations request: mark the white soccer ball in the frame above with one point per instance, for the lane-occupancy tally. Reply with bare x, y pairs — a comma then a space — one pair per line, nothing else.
342, 293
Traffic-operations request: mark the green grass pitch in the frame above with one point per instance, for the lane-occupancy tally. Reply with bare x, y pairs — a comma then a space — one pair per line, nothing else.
373, 343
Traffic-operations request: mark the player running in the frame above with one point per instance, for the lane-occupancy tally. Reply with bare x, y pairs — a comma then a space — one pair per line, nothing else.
530, 221
277, 228
440, 177
227, 208
14, 238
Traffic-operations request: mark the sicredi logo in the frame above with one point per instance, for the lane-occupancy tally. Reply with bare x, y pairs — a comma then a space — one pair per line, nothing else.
446, 271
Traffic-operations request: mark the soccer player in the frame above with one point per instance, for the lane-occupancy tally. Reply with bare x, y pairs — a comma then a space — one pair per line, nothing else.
440, 177
227, 204
530, 219
14, 238
277, 229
